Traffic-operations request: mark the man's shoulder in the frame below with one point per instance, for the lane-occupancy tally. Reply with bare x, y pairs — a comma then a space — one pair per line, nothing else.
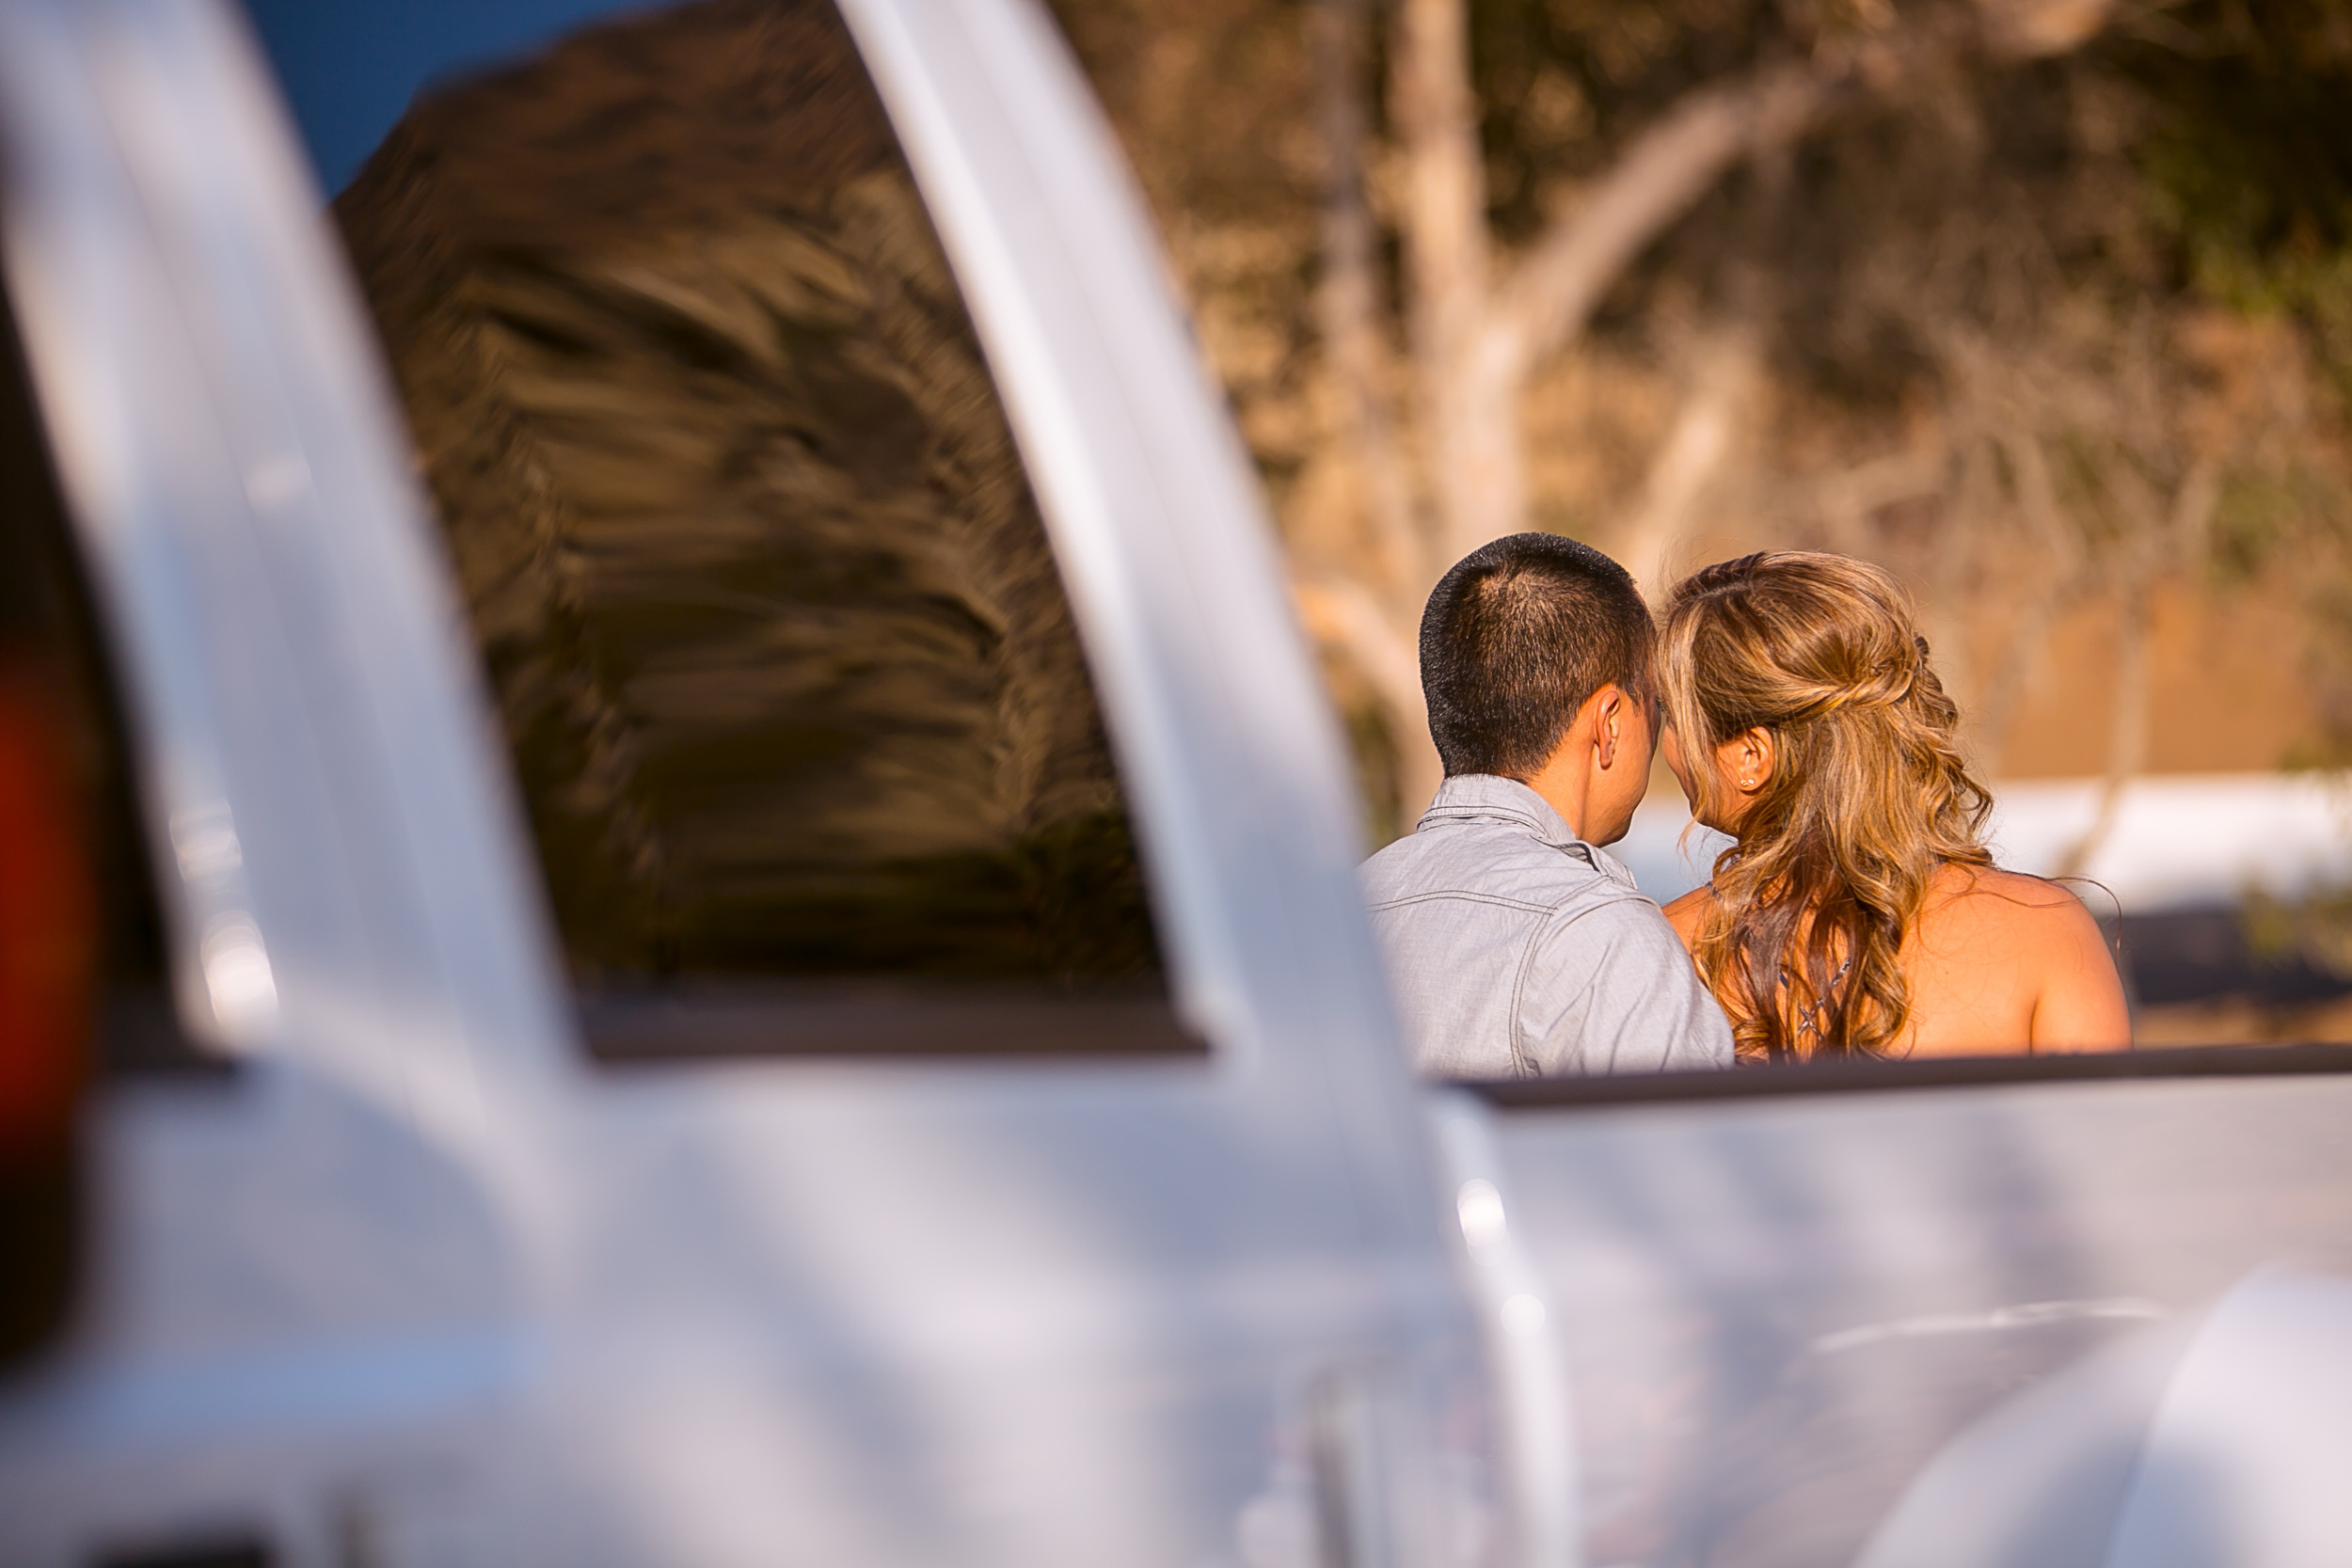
1475, 861
1613, 920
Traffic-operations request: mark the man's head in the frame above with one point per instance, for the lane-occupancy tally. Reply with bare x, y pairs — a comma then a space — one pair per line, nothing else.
1528, 643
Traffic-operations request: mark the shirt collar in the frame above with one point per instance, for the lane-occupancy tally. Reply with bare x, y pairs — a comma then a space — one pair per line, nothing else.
1468, 795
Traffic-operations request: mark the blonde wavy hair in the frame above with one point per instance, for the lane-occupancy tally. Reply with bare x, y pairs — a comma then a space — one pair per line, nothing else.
1868, 796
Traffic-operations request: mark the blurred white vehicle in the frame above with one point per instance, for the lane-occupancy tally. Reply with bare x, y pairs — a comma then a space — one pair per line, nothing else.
906, 1178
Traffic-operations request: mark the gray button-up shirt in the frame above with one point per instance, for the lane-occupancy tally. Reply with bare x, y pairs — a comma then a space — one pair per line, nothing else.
1517, 950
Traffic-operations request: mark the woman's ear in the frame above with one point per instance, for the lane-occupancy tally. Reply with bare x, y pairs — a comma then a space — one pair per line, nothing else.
1747, 760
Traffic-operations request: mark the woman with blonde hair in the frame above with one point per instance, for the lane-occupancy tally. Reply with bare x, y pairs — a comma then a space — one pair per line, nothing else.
1858, 914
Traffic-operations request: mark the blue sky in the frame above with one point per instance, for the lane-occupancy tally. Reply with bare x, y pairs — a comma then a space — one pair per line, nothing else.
350, 67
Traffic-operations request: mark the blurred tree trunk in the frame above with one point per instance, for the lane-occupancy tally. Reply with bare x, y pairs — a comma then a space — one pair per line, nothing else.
2175, 539
1724, 367
1477, 326
1348, 303
1372, 613
2051, 589
1469, 408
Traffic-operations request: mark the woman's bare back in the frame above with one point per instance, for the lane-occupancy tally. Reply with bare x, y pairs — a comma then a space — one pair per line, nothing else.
1998, 962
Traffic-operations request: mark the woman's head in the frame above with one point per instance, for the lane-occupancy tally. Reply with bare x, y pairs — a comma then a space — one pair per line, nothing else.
1807, 720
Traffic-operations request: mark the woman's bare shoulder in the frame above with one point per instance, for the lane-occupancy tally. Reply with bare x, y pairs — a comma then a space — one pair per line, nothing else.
1687, 912
2028, 946
1991, 882
2045, 932
1989, 905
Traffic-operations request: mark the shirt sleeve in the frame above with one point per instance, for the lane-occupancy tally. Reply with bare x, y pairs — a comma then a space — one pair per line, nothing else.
1610, 987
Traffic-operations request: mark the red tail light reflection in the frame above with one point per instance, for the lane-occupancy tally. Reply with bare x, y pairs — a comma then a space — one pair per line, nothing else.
48, 919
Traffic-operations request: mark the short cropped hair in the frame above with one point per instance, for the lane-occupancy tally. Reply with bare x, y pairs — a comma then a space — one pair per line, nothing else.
1516, 639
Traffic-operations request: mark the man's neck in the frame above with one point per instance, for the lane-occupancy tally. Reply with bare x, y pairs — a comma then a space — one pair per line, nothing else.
1565, 783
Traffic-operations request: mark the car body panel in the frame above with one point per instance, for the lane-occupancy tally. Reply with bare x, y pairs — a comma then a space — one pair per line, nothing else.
418, 1274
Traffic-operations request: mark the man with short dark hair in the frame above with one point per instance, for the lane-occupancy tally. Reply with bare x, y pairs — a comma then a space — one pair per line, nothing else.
1518, 947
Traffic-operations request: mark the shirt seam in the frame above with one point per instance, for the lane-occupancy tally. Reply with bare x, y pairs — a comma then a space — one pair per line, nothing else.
1499, 900
1501, 819
1595, 900
1505, 814
1521, 1057
1527, 961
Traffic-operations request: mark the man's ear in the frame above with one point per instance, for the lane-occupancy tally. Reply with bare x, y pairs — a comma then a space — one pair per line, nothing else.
1609, 719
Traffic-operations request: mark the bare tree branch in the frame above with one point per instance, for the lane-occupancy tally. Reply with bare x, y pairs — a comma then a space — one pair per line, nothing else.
2127, 741
1444, 217
1348, 302
1848, 499
1470, 415
2059, 557
2189, 530
1545, 301
2189, 517
1556, 286
1340, 613
1473, 336
1725, 371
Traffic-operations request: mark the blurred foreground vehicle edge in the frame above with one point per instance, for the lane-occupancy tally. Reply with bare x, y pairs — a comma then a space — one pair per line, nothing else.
380, 1259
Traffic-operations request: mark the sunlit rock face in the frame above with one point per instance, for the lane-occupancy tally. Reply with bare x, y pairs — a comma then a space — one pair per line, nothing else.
765, 597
